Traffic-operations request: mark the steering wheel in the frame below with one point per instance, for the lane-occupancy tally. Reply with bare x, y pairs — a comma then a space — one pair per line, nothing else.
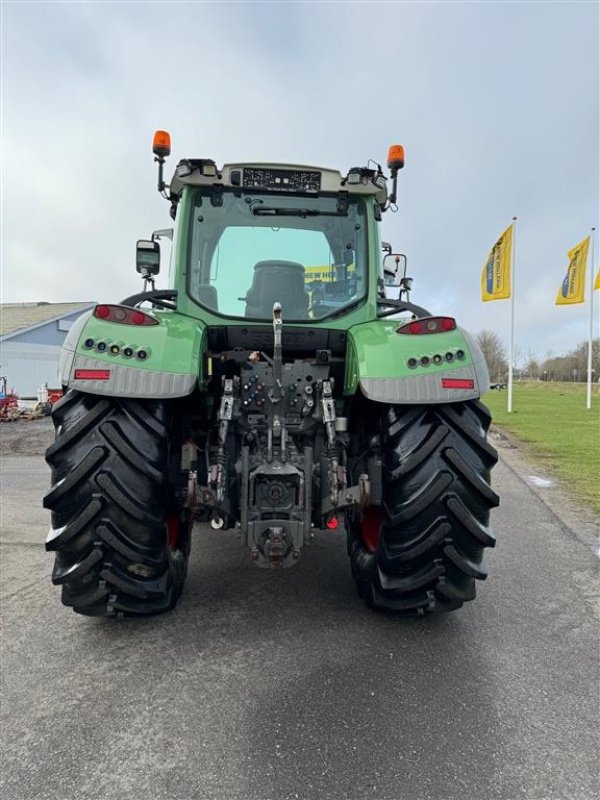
160, 298
402, 305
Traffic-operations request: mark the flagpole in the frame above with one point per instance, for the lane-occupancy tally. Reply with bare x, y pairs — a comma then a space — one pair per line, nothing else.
512, 317
591, 339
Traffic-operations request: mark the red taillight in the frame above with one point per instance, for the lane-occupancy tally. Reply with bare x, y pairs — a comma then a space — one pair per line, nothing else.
138, 318
457, 383
92, 374
124, 315
428, 325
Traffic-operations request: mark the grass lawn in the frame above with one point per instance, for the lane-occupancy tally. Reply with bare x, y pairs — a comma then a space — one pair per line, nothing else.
562, 435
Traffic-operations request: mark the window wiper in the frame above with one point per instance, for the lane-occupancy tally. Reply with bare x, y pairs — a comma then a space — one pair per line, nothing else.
272, 211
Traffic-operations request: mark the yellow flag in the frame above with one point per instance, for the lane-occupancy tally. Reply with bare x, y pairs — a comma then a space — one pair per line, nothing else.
597, 281
495, 276
572, 289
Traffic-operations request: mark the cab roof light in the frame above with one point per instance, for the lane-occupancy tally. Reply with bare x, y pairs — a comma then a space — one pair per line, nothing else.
161, 147
428, 325
395, 159
123, 315
161, 144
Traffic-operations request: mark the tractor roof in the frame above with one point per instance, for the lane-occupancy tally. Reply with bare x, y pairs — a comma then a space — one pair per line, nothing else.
263, 176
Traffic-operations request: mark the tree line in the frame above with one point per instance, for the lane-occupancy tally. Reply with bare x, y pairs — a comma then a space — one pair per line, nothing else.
528, 366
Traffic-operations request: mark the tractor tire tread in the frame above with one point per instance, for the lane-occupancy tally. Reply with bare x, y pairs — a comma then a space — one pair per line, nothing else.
109, 499
436, 505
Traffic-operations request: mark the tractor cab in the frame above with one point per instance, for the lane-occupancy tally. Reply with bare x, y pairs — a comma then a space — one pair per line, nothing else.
254, 234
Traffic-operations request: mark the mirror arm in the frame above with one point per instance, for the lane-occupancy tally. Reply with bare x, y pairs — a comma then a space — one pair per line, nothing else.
148, 279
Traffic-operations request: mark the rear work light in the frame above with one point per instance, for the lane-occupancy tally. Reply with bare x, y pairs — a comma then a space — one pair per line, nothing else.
458, 383
428, 325
92, 374
124, 315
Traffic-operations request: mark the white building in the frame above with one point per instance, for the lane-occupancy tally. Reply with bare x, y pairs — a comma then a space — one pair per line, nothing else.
30, 338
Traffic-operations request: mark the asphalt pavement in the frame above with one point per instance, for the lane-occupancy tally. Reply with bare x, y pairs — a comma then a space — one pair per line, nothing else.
282, 686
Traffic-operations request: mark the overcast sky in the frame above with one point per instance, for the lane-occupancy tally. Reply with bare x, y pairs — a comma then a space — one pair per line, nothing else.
495, 103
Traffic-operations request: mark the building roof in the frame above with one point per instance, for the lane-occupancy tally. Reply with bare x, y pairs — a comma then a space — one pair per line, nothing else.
18, 316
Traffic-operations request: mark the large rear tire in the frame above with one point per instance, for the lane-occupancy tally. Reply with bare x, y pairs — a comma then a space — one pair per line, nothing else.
422, 550
119, 531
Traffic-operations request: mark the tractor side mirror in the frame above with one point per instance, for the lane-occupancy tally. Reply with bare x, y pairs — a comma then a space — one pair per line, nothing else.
394, 269
147, 258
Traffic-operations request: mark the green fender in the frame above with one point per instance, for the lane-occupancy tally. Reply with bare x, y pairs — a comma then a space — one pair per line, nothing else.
172, 366
381, 362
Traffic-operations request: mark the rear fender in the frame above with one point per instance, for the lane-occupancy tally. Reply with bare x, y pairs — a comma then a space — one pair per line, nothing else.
378, 363
172, 366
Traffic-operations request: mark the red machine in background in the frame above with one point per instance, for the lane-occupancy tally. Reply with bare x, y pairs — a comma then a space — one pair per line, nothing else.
8, 401
28, 408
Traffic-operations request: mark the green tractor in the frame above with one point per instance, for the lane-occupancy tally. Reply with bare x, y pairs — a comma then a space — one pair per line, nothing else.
277, 389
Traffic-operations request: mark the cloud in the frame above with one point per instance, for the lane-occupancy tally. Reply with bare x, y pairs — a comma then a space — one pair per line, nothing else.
496, 104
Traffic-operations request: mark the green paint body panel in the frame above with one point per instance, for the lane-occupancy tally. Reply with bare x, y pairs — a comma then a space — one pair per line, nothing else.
375, 350
175, 346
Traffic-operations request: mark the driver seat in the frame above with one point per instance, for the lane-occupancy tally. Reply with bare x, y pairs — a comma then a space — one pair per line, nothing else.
277, 282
